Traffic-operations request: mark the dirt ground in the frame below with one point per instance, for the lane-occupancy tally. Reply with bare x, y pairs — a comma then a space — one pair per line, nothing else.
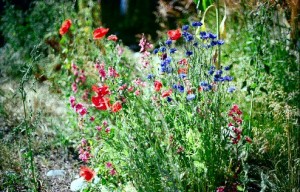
46, 112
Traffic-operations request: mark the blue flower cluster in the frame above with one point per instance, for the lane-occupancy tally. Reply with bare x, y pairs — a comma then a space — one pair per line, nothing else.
179, 88
165, 65
218, 75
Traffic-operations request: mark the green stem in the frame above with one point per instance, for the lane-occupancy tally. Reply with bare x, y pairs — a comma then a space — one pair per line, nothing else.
218, 31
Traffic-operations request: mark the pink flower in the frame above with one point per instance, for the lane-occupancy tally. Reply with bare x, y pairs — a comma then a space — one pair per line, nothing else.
108, 165
137, 92
72, 101
99, 128
112, 38
74, 87
144, 44
113, 172
107, 130
92, 118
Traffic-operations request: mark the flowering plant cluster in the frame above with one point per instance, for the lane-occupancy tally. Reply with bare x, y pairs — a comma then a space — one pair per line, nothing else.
154, 124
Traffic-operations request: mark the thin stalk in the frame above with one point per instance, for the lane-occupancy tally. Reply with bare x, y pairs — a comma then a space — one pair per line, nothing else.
27, 128
218, 31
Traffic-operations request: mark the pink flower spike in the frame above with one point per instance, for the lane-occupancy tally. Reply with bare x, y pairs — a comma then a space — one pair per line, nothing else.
113, 172
108, 165
107, 130
92, 118
99, 128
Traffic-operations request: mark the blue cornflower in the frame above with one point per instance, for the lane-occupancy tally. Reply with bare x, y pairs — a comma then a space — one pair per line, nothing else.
166, 69
212, 36
207, 88
190, 97
197, 24
155, 51
189, 53
169, 99
187, 36
203, 84
168, 42
165, 65
220, 42
180, 88
219, 72
150, 76
182, 75
231, 89
162, 49
173, 50
228, 78
227, 68
211, 72
185, 27
218, 78
204, 35
213, 43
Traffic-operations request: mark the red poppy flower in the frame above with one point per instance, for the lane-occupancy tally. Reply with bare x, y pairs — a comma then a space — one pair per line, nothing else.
174, 34
101, 91
87, 173
112, 38
100, 32
157, 85
101, 103
65, 26
182, 71
166, 93
117, 106
183, 61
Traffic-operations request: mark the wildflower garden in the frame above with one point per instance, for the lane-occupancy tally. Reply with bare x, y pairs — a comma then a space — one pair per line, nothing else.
207, 101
